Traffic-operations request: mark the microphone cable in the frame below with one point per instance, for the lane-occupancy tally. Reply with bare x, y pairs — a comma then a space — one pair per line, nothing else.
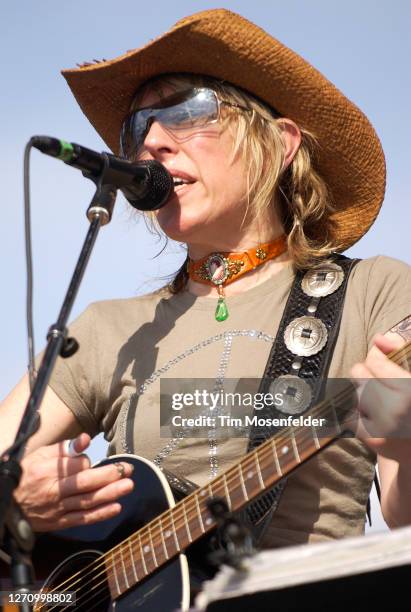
29, 294
29, 266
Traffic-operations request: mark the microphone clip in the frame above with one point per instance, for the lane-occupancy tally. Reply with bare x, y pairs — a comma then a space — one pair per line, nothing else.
102, 204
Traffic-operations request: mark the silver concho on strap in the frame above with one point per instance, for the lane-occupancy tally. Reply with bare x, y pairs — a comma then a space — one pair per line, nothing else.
322, 280
295, 392
305, 336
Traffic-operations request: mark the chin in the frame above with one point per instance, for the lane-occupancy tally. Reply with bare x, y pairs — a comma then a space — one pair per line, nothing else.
177, 225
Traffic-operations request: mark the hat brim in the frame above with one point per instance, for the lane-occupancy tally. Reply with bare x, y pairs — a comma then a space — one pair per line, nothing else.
224, 45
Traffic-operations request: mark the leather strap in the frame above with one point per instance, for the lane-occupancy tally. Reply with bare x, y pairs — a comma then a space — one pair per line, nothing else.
313, 369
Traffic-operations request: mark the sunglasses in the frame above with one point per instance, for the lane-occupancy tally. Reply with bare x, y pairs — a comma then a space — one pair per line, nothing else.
184, 110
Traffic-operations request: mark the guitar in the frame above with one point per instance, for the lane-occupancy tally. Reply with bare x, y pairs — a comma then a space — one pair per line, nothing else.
137, 560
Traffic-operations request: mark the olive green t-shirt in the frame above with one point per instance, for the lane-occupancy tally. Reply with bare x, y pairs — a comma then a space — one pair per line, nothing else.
112, 384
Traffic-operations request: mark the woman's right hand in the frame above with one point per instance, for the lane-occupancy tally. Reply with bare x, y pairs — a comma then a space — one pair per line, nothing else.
58, 490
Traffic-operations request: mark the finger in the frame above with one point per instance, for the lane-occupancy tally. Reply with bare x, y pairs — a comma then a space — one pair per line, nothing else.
399, 382
366, 429
387, 404
68, 466
375, 397
106, 495
83, 517
52, 450
76, 446
51, 470
364, 432
388, 343
381, 367
385, 345
81, 443
360, 373
360, 377
95, 478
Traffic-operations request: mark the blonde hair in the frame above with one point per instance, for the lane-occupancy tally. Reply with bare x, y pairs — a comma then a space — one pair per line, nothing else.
300, 194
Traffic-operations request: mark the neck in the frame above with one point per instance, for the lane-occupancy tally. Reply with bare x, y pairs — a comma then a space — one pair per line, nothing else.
236, 235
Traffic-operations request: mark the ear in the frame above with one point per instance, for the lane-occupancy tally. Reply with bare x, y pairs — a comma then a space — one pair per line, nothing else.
291, 137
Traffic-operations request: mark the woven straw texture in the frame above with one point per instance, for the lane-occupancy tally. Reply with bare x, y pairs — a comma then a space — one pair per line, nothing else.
224, 45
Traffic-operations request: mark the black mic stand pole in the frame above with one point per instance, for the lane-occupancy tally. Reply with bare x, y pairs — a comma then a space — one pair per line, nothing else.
19, 536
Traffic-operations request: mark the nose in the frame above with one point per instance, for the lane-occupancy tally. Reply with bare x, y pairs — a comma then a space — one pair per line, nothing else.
159, 142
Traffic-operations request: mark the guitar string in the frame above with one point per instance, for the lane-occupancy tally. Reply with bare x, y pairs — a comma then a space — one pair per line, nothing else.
155, 545
396, 356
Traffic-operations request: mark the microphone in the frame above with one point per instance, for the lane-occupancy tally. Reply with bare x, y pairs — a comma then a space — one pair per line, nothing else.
147, 185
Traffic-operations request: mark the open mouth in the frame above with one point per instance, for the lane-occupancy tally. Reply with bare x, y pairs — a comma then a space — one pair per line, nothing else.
181, 185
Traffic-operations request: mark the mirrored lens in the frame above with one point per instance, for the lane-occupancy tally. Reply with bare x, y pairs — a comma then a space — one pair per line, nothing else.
184, 110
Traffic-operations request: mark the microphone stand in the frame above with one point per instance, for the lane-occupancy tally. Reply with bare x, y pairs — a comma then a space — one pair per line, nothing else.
15, 529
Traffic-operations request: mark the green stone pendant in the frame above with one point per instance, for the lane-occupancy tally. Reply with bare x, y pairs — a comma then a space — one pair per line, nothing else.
221, 312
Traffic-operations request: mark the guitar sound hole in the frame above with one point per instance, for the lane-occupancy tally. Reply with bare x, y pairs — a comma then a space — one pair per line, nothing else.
83, 575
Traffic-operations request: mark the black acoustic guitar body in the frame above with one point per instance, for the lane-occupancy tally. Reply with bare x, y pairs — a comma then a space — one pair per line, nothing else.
75, 552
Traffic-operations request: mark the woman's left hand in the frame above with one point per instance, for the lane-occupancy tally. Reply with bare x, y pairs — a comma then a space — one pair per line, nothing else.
384, 422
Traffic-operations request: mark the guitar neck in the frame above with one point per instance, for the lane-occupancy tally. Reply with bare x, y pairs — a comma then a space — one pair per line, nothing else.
174, 530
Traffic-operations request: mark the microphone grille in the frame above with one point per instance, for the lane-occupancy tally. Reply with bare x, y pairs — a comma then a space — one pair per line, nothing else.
159, 185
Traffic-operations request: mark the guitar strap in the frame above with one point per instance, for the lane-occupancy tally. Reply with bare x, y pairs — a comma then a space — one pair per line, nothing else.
299, 361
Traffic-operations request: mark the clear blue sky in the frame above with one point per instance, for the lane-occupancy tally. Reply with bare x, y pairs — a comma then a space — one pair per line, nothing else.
362, 46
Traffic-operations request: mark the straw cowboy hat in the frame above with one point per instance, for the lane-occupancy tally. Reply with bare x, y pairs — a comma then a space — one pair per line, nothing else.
224, 45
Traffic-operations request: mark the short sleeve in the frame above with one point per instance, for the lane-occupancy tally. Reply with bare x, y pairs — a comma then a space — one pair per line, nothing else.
388, 295
77, 379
